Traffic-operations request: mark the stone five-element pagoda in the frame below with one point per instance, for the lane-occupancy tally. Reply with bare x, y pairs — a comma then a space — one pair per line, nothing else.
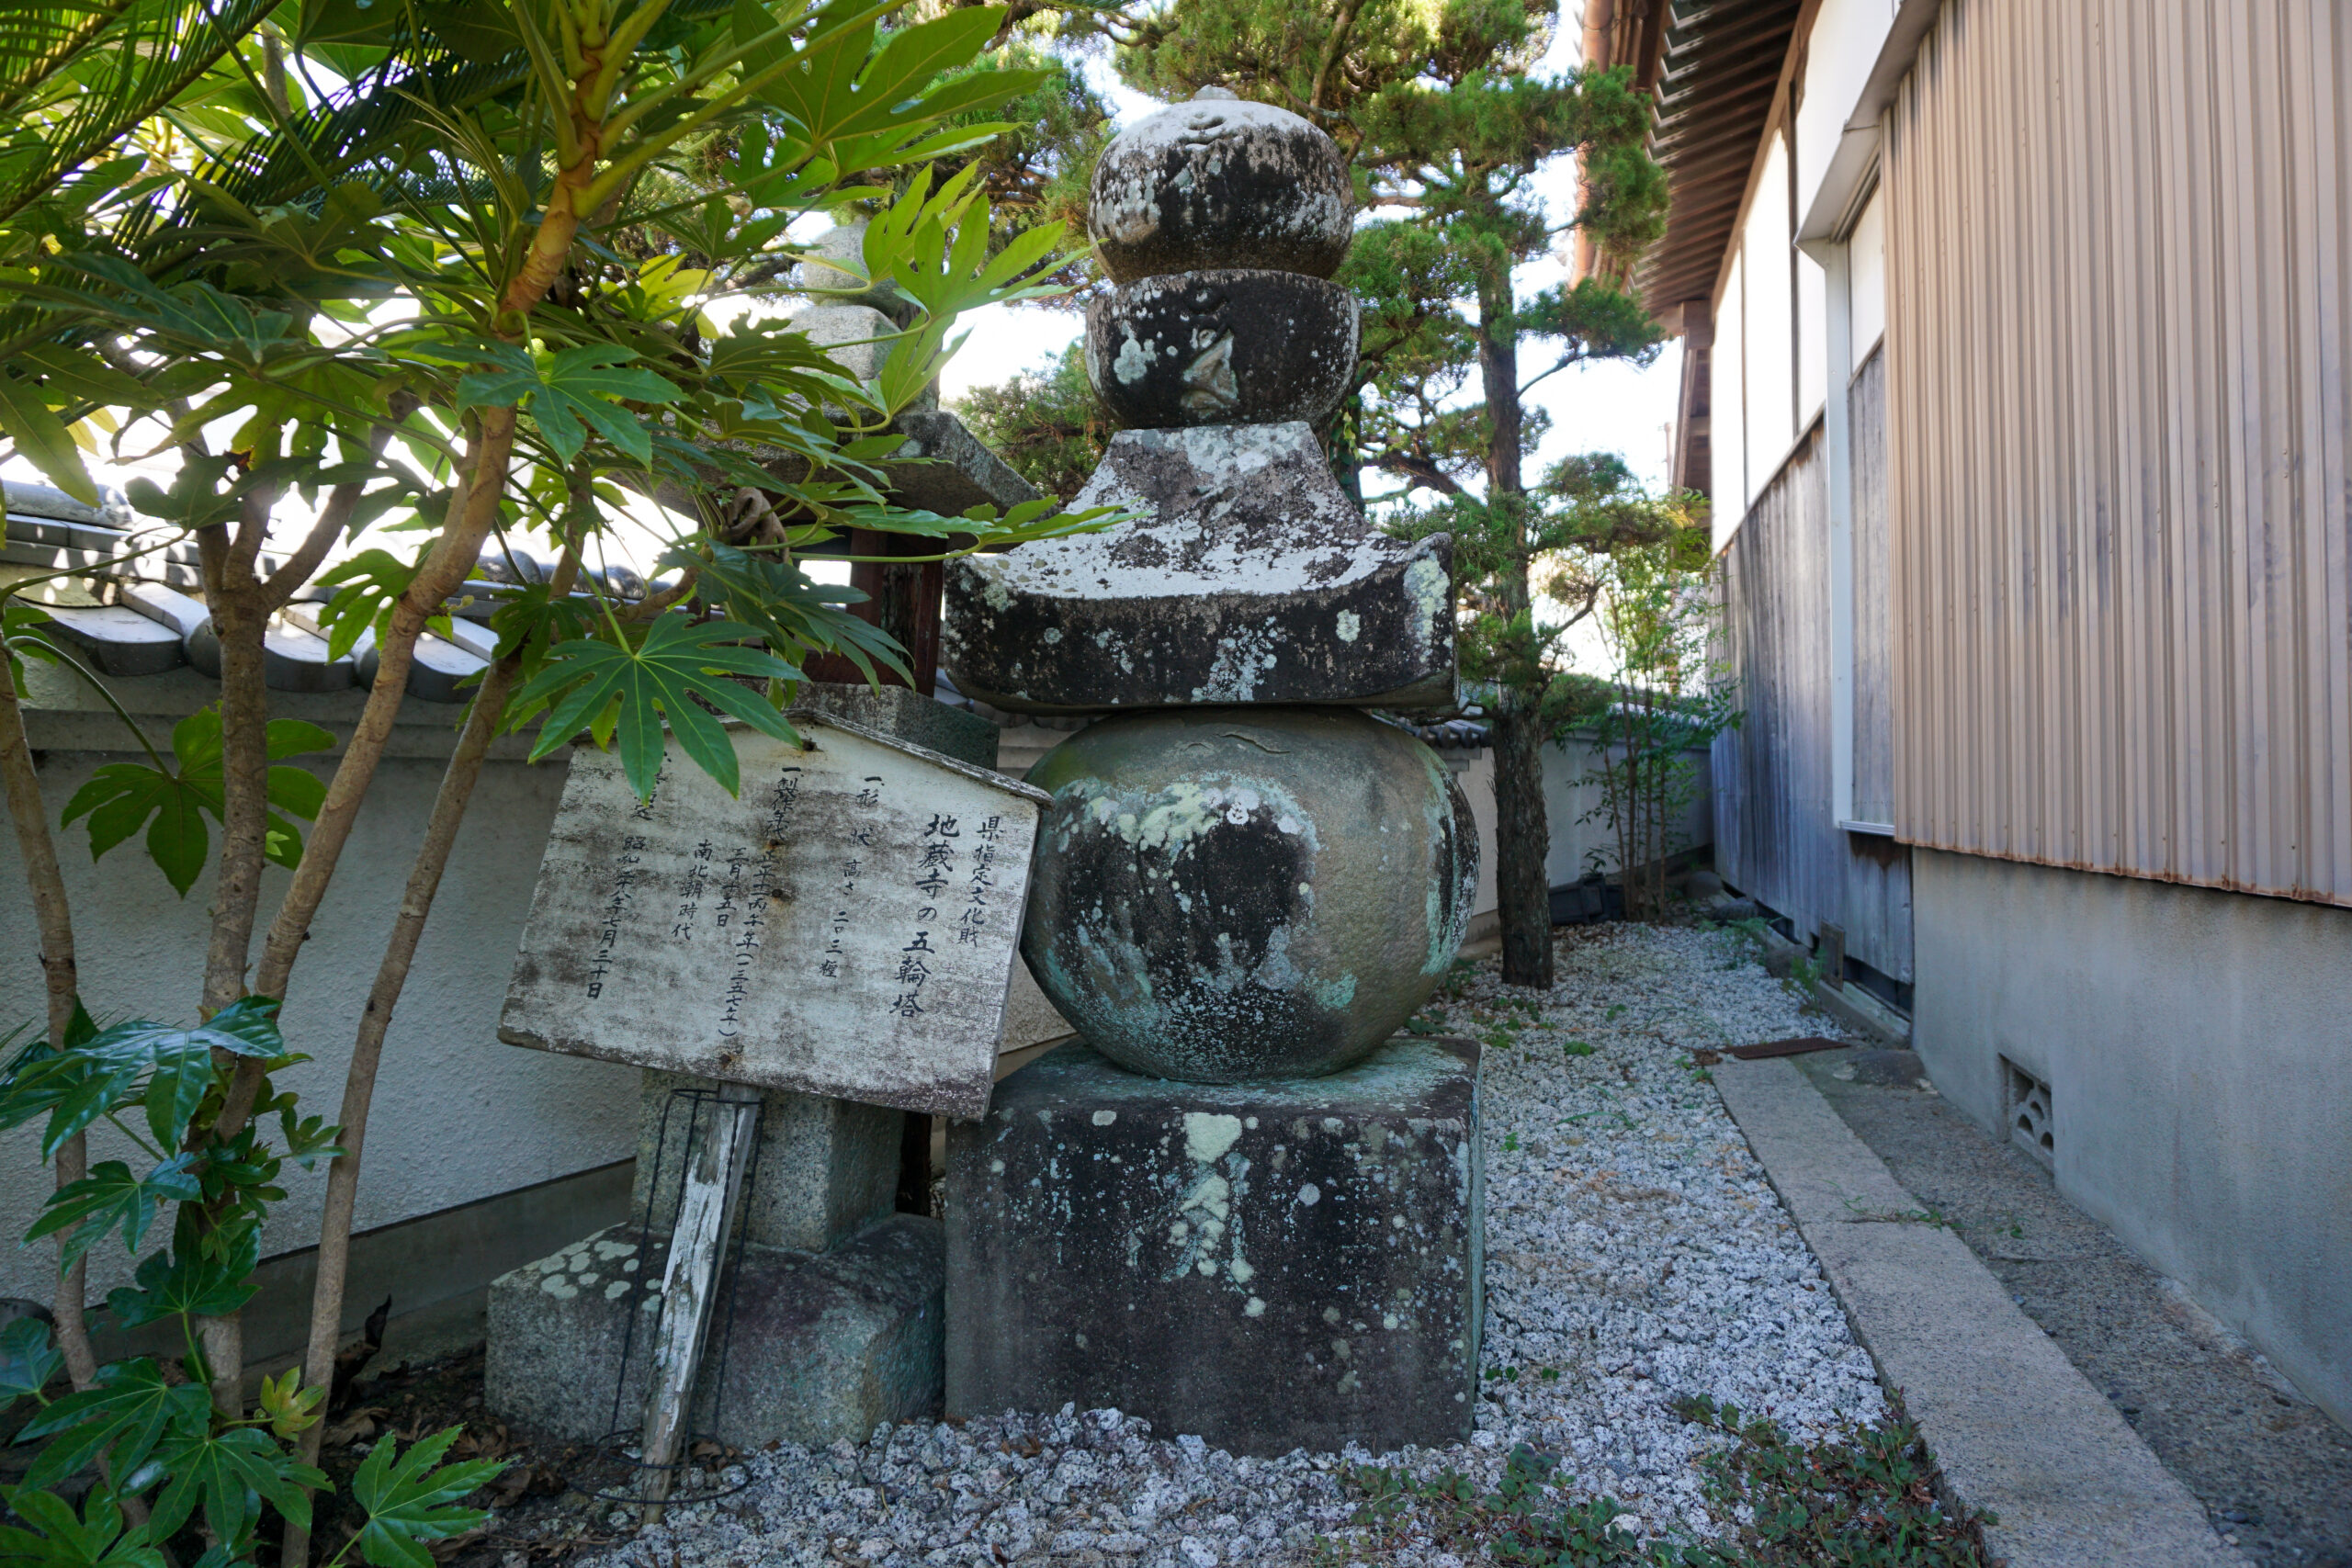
1243, 1207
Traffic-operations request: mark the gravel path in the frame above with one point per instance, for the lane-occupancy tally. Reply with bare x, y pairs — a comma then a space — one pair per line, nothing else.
1634, 1253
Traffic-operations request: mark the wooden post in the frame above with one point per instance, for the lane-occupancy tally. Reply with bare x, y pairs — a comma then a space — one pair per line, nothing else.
902, 599
711, 1189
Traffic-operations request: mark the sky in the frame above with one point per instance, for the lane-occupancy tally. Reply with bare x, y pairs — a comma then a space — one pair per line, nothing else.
1606, 408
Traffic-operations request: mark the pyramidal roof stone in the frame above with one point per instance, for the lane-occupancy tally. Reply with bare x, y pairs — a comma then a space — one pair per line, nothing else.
1250, 578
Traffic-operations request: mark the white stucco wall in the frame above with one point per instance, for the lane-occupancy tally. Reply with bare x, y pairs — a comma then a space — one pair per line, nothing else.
1567, 797
457, 1116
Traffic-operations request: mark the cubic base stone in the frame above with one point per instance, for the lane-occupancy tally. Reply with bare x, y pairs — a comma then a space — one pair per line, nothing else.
820, 1349
1267, 1265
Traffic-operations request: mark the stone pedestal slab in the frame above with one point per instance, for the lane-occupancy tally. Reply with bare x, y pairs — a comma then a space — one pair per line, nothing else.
1269, 1266
821, 1347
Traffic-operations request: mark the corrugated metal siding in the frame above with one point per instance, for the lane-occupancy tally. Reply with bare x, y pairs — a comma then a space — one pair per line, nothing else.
1776, 835
2117, 347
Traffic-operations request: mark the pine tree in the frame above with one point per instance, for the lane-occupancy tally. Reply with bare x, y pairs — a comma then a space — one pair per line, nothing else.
1047, 423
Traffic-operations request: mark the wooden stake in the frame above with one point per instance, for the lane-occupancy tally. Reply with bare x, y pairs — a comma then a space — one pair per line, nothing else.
711, 1188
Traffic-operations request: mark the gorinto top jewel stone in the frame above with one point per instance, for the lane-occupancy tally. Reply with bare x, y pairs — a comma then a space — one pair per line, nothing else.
1217, 182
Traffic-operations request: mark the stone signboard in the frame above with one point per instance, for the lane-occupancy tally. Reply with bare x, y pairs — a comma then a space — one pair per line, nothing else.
847, 926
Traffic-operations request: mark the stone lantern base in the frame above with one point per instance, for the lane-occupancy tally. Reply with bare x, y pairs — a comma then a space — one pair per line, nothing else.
1269, 1266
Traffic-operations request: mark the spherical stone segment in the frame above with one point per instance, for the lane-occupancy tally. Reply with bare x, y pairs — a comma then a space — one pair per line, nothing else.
1229, 346
1224, 894
1218, 181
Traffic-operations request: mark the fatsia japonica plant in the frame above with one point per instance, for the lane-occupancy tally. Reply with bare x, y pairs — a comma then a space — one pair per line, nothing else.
466, 276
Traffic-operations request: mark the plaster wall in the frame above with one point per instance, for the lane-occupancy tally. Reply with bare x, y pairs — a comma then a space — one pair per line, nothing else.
1474, 772
1569, 792
2196, 1044
457, 1116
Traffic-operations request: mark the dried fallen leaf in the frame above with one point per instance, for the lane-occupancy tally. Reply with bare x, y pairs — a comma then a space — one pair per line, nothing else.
450, 1548
359, 1425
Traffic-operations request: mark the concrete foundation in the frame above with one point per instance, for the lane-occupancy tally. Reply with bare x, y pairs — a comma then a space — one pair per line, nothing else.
2191, 1048
1268, 1266
819, 1348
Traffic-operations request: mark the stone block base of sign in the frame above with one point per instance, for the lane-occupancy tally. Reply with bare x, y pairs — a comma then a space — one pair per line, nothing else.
1269, 1266
820, 1348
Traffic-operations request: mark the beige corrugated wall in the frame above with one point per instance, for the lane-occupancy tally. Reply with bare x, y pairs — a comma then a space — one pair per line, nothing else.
2121, 275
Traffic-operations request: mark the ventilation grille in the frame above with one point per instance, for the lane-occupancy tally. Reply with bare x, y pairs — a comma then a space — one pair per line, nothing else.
2028, 1113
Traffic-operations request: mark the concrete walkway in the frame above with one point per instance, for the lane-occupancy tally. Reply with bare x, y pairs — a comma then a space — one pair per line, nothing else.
2016, 1430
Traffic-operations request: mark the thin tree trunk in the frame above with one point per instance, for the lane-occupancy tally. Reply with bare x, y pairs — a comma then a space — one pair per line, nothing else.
453, 557
359, 1083
244, 803
53, 917
392, 976
240, 621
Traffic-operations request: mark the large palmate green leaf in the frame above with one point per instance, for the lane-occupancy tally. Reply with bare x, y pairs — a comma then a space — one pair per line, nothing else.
42, 440
172, 802
114, 1196
28, 1360
787, 607
106, 1070
860, 107
230, 1474
191, 317
575, 390
672, 672
124, 1415
409, 1502
195, 1284
55, 1537
367, 586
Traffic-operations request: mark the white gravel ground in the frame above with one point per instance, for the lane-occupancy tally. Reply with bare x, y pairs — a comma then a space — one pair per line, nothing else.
1634, 1253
